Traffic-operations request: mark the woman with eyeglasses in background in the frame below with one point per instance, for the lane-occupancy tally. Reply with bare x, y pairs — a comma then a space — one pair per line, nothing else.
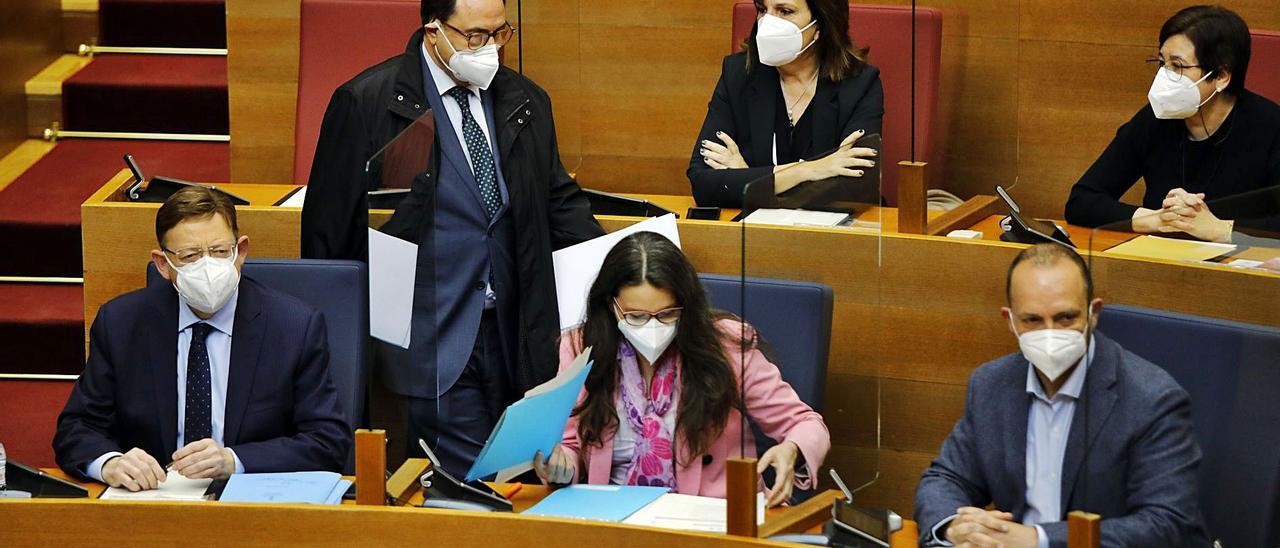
671, 378
1202, 137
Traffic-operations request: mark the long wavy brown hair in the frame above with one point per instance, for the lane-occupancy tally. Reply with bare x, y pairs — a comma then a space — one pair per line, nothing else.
707, 385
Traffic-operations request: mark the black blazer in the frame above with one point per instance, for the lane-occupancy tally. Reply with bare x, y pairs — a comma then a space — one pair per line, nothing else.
550, 211
743, 105
283, 412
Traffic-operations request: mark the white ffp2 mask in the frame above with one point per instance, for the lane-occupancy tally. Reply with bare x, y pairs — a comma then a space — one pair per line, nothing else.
207, 284
650, 339
1174, 96
779, 41
1051, 351
476, 67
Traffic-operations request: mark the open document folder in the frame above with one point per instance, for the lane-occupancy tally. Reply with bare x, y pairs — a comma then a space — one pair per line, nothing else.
533, 424
174, 487
576, 266
1172, 249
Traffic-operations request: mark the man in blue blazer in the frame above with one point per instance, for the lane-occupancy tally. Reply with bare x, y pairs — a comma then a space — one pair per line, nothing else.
1073, 422
212, 375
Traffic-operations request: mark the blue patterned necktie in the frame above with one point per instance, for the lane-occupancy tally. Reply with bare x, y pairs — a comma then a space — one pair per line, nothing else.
198, 423
481, 155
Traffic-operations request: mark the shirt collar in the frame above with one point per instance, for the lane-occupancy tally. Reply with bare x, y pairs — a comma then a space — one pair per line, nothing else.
1075, 382
223, 320
441, 77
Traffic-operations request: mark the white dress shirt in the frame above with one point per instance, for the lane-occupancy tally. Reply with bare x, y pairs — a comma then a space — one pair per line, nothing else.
218, 345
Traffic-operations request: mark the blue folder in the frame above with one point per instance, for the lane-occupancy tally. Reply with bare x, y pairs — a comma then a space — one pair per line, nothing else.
284, 487
597, 502
535, 423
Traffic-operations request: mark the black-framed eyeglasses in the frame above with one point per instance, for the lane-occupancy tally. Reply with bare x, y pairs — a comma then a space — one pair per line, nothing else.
477, 40
1175, 67
190, 255
640, 317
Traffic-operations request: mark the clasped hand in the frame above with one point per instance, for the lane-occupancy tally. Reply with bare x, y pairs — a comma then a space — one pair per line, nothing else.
138, 471
1183, 211
975, 527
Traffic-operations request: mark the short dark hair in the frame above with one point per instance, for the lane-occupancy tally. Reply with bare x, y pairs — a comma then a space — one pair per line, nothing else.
437, 9
1048, 254
1221, 39
194, 202
837, 57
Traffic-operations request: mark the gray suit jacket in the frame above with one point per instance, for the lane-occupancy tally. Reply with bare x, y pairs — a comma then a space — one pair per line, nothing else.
1137, 470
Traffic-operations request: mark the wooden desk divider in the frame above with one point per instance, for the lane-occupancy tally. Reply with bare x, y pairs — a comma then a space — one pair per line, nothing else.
1084, 530
913, 202
371, 467
404, 484
803, 516
970, 213
742, 484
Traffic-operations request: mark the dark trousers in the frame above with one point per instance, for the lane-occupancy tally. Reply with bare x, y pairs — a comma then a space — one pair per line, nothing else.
457, 424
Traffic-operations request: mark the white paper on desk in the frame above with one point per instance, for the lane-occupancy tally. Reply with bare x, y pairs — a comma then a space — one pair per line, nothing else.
297, 199
795, 217
174, 487
393, 265
576, 266
689, 513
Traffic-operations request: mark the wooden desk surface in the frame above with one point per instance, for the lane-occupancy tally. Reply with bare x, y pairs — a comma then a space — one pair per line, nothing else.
525, 498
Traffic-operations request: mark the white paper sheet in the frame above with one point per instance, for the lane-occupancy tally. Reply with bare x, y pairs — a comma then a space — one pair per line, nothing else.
576, 266
795, 217
297, 199
392, 267
689, 513
174, 487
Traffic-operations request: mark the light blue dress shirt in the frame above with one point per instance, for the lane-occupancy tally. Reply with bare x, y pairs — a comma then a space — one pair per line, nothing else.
1048, 428
218, 344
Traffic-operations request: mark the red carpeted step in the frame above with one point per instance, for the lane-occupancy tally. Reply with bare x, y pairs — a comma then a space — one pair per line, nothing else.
163, 23
29, 417
148, 93
42, 328
40, 211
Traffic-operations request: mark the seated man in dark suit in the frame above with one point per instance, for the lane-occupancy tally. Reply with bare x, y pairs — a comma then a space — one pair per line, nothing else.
219, 376
1021, 445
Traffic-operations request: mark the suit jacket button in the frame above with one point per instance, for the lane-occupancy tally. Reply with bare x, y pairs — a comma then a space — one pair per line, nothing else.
706, 459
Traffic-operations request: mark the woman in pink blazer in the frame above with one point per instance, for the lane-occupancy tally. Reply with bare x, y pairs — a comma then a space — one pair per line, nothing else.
662, 404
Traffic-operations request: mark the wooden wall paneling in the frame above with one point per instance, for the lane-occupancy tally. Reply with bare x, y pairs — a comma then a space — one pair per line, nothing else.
1135, 22
30, 39
262, 80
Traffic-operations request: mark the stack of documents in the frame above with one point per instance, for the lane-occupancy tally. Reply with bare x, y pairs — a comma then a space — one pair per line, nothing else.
535, 423
597, 502
795, 217
689, 513
174, 487
286, 487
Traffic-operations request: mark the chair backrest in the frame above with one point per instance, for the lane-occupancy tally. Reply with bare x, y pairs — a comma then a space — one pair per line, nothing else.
337, 40
794, 318
1231, 370
887, 31
339, 290
1264, 64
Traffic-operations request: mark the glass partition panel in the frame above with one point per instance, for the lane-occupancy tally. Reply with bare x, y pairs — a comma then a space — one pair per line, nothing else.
810, 295
548, 50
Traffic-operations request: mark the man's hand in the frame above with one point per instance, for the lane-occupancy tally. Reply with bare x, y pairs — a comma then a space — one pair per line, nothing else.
204, 459
135, 471
783, 459
975, 527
